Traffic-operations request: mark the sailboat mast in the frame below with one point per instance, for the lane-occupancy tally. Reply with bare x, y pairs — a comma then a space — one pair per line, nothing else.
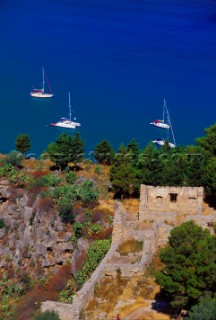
170, 124
164, 110
43, 78
69, 106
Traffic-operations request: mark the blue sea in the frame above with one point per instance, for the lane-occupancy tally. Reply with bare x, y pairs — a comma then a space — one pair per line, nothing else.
119, 59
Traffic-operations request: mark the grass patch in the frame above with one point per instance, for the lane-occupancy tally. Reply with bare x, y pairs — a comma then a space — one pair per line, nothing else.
130, 246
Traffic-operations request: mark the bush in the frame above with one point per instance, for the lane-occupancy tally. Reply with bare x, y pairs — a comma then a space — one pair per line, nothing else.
78, 229
5, 169
14, 158
87, 192
2, 224
70, 177
48, 180
96, 252
47, 315
66, 213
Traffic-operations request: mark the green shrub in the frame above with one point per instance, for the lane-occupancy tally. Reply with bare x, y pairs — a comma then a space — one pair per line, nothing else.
18, 178
87, 192
96, 228
47, 315
63, 194
66, 213
78, 228
98, 170
96, 252
2, 224
5, 169
67, 294
70, 177
48, 180
14, 158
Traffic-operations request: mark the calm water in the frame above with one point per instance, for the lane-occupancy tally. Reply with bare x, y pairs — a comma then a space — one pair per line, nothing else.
119, 59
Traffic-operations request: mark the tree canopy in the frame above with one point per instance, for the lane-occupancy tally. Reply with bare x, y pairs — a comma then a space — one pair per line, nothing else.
205, 310
23, 142
66, 149
104, 152
208, 142
191, 166
189, 271
123, 175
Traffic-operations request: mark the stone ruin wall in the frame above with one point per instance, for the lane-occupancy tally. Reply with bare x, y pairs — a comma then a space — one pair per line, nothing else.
72, 311
122, 230
188, 200
162, 221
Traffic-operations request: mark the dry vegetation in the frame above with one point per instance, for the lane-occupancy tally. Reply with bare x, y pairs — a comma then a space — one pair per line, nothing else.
130, 246
131, 298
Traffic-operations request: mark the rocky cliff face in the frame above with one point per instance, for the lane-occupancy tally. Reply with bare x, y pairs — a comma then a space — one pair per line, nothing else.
34, 238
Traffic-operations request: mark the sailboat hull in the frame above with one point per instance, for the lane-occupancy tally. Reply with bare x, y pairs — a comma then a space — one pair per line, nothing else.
162, 143
66, 125
41, 95
160, 125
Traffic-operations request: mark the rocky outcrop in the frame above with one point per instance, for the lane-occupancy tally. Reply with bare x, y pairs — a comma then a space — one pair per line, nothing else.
34, 239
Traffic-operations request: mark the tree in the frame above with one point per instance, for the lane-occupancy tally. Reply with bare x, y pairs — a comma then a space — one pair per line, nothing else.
66, 149
104, 152
208, 142
77, 149
189, 271
172, 173
150, 166
23, 142
133, 151
123, 177
210, 184
195, 166
59, 151
205, 310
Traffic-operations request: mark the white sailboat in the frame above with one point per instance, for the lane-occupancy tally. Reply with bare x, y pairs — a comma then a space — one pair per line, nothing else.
160, 142
168, 126
67, 123
40, 93
160, 123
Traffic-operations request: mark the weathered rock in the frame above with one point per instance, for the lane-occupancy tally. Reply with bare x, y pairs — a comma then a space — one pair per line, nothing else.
34, 236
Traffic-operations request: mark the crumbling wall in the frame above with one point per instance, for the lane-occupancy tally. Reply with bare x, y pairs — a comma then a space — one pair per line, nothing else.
72, 311
180, 200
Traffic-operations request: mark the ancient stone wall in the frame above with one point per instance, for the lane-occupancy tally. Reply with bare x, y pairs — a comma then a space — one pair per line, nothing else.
153, 228
122, 230
180, 200
72, 312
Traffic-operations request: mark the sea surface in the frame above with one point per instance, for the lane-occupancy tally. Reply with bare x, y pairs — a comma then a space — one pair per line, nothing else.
118, 58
